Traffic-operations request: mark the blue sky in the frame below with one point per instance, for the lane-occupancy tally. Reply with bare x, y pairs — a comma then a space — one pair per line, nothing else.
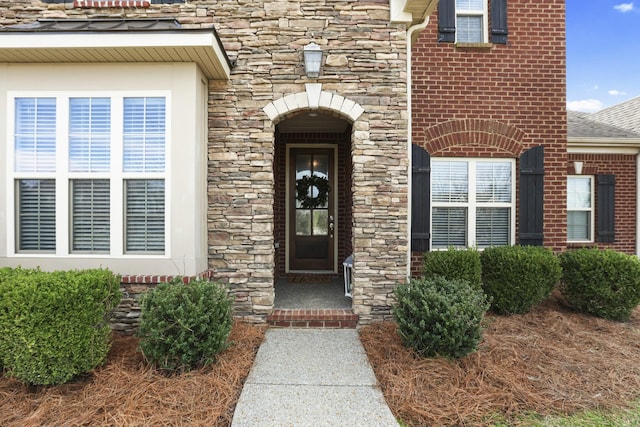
603, 53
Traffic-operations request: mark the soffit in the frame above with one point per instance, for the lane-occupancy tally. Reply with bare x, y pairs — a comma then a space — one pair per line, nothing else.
411, 11
420, 8
114, 40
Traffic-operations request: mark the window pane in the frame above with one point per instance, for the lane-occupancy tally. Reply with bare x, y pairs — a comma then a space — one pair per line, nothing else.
36, 215
320, 222
144, 135
144, 215
303, 222
90, 215
89, 134
578, 226
449, 182
35, 135
492, 227
469, 29
579, 193
469, 5
449, 227
493, 182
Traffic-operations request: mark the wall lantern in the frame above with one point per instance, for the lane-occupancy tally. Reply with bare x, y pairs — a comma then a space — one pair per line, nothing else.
312, 60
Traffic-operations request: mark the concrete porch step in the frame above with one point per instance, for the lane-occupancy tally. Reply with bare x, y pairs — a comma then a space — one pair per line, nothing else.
313, 318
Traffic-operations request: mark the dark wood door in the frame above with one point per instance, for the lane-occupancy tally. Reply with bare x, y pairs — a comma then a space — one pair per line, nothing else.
311, 209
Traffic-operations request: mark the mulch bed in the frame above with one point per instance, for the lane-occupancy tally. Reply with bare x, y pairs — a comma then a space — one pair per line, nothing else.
551, 361
128, 392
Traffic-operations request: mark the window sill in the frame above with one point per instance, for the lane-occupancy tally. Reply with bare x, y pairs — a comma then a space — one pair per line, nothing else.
486, 46
578, 245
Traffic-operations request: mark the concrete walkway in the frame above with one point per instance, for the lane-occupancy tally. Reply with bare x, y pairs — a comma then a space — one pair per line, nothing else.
312, 377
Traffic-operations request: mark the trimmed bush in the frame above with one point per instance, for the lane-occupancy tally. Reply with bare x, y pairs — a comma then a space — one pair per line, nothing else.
463, 264
516, 278
603, 283
440, 317
184, 326
55, 326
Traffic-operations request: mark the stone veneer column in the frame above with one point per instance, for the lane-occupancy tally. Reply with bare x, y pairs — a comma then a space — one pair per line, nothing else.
365, 61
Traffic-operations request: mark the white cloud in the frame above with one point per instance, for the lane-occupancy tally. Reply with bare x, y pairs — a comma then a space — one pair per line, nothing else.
585, 105
614, 92
624, 7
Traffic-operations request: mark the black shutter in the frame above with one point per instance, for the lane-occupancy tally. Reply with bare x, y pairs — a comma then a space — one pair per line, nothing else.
447, 21
532, 197
606, 232
420, 199
499, 21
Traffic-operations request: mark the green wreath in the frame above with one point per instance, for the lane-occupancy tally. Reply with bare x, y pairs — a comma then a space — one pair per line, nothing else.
306, 183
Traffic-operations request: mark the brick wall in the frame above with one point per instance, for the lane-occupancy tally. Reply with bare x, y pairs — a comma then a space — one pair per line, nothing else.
499, 100
623, 166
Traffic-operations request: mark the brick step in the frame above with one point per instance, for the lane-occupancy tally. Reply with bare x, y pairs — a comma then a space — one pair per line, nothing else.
330, 318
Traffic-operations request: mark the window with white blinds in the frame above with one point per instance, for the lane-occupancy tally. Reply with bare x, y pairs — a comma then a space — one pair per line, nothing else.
471, 19
472, 202
89, 134
89, 174
35, 135
90, 215
144, 215
144, 135
580, 209
36, 219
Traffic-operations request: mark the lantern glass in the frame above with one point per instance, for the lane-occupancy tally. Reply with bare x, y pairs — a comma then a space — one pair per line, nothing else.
312, 60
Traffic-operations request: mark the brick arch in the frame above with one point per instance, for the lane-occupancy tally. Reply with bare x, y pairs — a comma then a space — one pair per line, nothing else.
313, 98
474, 137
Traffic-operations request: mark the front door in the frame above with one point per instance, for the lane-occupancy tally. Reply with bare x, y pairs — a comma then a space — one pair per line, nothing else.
312, 216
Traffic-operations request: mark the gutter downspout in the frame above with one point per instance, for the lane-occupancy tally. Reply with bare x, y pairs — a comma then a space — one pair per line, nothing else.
410, 39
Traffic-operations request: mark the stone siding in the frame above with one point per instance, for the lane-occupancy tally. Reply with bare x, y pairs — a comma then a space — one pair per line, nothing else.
365, 63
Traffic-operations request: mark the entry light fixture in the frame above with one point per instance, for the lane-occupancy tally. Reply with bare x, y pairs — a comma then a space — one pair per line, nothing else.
312, 60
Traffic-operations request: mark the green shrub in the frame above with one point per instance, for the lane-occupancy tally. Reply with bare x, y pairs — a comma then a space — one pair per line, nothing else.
185, 326
516, 278
603, 283
55, 326
440, 317
454, 263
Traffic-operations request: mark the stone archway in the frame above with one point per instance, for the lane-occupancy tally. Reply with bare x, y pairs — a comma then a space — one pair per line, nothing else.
313, 98
306, 122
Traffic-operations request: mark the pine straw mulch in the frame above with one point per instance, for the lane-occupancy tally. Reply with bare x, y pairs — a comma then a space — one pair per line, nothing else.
126, 391
551, 361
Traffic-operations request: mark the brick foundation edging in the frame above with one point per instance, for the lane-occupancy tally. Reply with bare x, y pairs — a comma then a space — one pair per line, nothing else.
333, 318
125, 318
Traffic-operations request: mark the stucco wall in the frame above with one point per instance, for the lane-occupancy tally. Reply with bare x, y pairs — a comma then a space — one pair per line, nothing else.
185, 253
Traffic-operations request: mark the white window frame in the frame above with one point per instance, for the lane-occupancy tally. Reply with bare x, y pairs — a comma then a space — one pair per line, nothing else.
590, 209
483, 13
471, 204
63, 177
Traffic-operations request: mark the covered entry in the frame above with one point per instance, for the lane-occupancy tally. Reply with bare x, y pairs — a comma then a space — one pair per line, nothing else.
313, 196
313, 203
